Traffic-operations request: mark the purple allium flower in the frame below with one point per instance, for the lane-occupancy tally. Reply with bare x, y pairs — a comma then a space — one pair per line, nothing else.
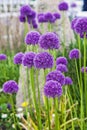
31, 16
48, 17
81, 25
41, 18
61, 60
43, 60
10, 87
63, 6
62, 68
32, 38
68, 81
56, 76
73, 5
28, 59
18, 58
3, 57
25, 10
74, 54
53, 89
9, 106
22, 18
82, 69
73, 23
57, 15
49, 41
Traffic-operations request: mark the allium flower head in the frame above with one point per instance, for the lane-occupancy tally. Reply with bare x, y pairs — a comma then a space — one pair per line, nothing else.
22, 18
10, 87
57, 15
3, 57
61, 60
41, 18
43, 60
68, 81
28, 59
32, 38
56, 76
48, 17
18, 58
63, 6
81, 25
49, 41
31, 15
82, 69
74, 54
62, 68
73, 23
73, 5
52, 89
25, 10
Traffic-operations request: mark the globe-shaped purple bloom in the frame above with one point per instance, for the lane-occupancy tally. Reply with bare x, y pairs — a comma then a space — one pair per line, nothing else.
41, 18
49, 41
73, 23
3, 57
48, 17
73, 5
61, 60
31, 15
62, 68
82, 69
63, 6
56, 76
18, 58
22, 18
32, 38
57, 15
74, 54
43, 60
53, 89
10, 87
68, 81
25, 10
28, 59
81, 25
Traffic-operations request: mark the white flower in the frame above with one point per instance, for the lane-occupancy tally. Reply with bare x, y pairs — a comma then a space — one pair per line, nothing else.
19, 115
4, 116
19, 109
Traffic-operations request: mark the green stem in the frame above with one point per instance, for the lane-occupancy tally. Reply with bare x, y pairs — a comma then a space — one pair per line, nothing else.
81, 87
85, 71
78, 75
13, 109
28, 86
39, 105
24, 91
32, 84
57, 124
65, 107
48, 115
71, 111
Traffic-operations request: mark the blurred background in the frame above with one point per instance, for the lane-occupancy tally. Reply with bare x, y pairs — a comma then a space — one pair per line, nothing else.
11, 30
